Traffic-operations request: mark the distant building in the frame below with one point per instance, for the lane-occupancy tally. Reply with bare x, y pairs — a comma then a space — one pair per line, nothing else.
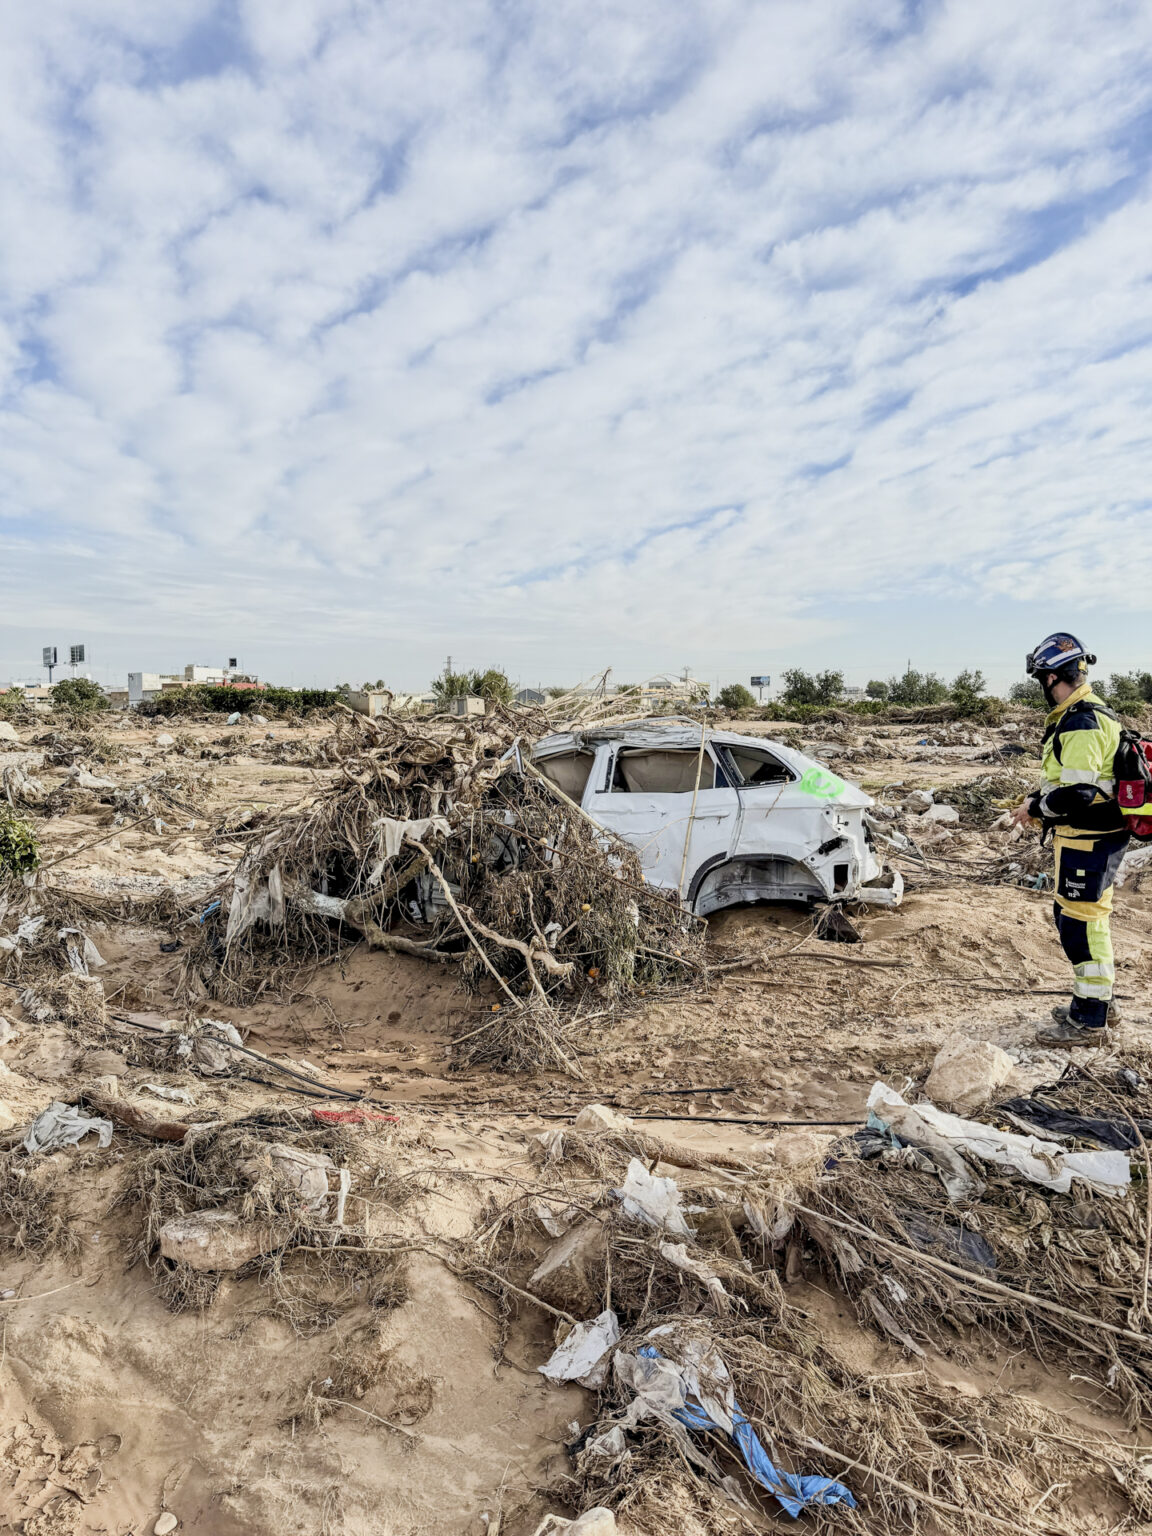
529, 696
466, 704
143, 687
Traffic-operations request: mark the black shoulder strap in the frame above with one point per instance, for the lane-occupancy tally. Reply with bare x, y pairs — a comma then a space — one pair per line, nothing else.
1058, 727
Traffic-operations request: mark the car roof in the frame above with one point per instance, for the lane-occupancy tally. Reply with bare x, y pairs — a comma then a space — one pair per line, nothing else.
665, 732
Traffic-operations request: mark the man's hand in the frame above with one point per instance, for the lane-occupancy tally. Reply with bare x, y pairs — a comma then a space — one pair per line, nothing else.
1021, 816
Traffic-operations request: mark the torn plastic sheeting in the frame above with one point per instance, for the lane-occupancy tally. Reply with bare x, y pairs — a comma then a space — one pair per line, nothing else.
677, 1255
583, 1356
1118, 1134
698, 1395
254, 902
947, 1136
26, 933
83, 956
60, 1125
656, 1202
395, 831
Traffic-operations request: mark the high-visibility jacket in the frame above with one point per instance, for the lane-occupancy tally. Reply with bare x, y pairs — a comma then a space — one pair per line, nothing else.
1080, 740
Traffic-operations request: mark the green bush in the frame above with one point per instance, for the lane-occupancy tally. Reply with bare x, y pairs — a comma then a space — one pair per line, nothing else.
917, 688
491, 684
19, 852
206, 697
802, 687
78, 696
15, 708
1126, 689
1028, 692
735, 696
875, 689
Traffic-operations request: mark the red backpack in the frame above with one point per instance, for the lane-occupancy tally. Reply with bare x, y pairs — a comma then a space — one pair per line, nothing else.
1133, 775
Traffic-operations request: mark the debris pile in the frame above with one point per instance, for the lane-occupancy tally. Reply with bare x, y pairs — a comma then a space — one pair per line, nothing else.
445, 829
719, 1401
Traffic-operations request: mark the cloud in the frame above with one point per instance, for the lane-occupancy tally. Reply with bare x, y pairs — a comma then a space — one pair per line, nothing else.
683, 325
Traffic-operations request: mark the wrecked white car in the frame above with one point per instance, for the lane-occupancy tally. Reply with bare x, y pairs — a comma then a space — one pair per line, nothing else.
748, 820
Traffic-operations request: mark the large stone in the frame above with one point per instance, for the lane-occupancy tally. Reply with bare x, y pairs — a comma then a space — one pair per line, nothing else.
571, 1273
947, 815
598, 1117
918, 800
8, 731
966, 1073
594, 1522
214, 1240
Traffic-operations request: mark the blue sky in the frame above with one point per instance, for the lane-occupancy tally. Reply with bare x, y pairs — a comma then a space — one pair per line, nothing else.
344, 335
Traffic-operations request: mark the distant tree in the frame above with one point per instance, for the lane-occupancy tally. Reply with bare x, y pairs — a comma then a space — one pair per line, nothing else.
1028, 692
556, 693
802, 687
966, 690
917, 688
79, 696
1130, 688
876, 689
735, 696
451, 685
375, 687
492, 685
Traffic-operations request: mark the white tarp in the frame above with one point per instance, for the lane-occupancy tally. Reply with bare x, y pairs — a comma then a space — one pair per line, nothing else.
656, 1202
60, 1125
945, 1137
584, 1355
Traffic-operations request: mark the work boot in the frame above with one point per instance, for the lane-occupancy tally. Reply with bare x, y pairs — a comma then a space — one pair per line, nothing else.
1065, 1031
1062, 1013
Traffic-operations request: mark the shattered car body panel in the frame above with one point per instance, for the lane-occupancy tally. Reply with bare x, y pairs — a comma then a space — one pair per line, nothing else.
768, 822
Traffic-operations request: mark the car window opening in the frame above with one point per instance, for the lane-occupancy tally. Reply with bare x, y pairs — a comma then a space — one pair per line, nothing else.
640, 771
569, 772
758, 767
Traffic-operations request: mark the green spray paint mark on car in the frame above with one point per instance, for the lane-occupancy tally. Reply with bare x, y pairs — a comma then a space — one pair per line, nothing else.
819, 781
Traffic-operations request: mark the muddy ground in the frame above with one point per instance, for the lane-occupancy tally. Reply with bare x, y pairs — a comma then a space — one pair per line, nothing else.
115, 1408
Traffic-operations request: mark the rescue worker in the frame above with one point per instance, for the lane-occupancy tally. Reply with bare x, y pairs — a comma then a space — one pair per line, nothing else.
1078, 802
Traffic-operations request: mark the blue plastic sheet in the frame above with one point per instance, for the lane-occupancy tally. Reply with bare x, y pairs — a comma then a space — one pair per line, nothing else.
791, 1491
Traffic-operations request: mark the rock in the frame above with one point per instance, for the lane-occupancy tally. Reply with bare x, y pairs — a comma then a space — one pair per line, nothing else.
598, 1117
966, 1073
571, 1273
8, 731
164, 740
259, 720
794, 1149
7, 1118
214, 1240
948, 815
918, 800
167, 1522
594, 1522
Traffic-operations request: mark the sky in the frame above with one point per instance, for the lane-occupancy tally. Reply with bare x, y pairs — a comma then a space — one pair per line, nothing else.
346, 335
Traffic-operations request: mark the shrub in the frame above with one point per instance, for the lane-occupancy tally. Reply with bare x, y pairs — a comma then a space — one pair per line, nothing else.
19, 852
1028, 692
875, 689
206, 697
78, 696
491, 684
917, 688
802, 687
735, 696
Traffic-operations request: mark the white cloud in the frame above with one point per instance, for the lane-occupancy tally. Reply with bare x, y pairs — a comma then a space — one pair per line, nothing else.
502, 323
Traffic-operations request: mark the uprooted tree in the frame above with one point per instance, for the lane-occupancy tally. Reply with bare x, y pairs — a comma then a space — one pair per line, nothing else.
450, 830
